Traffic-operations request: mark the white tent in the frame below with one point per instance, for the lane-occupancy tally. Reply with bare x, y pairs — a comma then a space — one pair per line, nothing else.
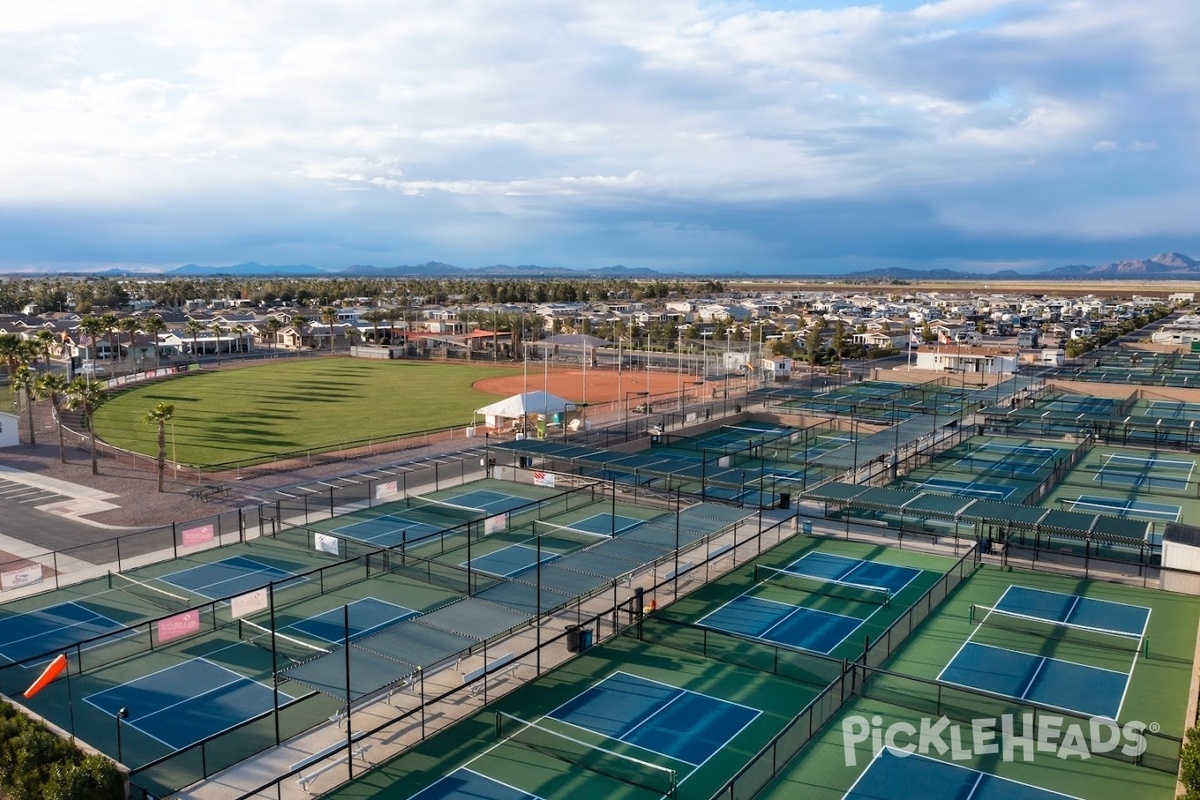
527, 403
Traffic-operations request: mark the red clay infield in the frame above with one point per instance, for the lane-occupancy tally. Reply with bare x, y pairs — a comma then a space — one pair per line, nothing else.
601, 384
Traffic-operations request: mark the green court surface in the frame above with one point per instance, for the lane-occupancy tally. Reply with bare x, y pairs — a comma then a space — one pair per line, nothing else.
829, 618
1154, 487
1157, 678
730, 713
825, 771
1004, 469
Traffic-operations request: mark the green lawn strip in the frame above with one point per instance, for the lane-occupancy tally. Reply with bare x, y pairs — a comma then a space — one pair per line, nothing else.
711, 597
1158, 690
821, 771
257, 412
465, 743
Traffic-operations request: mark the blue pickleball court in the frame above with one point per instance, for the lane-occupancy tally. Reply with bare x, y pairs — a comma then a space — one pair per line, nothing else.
182, 704
54, 628
687, 726
893, 775
782, 623
231, 576
510, 561
366, 616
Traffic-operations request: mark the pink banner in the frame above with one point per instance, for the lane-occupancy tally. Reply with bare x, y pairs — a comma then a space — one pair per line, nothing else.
178, 626
200, 535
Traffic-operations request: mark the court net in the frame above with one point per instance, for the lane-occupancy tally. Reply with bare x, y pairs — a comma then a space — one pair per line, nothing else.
831, 587
555, 529
627, 769
1047, 629
140, 589
291, 648
445, 509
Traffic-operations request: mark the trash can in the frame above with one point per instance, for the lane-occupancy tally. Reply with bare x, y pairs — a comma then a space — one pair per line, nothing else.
785, 499
585, 638
573, 637
807, 528
737, 408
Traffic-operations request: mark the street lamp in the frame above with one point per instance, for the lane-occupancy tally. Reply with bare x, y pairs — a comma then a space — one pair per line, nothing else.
122, 713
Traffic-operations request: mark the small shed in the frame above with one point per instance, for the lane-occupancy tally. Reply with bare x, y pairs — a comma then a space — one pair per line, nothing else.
10, 433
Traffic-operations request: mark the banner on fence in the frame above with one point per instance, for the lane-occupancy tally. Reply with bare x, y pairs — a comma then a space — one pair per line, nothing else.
724, 461
198, 535
248, 603
27, 575
544, 479
495, 524
324, 543
387, 489
178, 626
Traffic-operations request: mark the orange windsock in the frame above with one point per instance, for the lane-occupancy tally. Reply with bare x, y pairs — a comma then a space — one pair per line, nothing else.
52, 671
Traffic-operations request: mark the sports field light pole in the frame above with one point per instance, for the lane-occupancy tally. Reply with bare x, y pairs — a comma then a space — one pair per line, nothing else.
679, 373
122, 713
525, 392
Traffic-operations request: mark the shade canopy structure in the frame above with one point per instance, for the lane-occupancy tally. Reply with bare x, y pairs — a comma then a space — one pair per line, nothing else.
527, 403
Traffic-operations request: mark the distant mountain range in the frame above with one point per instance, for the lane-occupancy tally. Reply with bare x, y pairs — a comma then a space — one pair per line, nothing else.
1165, 266
1161, 267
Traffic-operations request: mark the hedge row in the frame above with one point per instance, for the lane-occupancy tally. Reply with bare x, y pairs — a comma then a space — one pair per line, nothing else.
36, 764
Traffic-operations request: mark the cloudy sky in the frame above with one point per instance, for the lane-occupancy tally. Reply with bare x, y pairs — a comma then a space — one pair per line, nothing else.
773, 136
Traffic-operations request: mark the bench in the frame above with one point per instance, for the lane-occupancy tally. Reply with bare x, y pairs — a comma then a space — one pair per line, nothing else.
713, 555
683, 571
208, 490
358, 750
339, 716
500, 667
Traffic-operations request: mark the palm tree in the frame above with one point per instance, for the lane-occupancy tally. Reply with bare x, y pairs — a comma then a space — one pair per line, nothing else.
53, 387
153, 326
110, 323
193, 328
87, 397
273, 325
329, 317
216, 328
300, 322
128, 325
12, 349
159, 415
45, 339
239, 331
375, 316
91, 327
24, 380
391, 315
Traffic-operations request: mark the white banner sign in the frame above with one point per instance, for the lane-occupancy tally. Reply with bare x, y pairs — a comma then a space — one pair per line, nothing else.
543, 479
248, 603
21, 576
495, 524
723, 461
387, 489
324, 543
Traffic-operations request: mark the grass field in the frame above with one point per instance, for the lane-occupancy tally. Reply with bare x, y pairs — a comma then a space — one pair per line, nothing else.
256, 412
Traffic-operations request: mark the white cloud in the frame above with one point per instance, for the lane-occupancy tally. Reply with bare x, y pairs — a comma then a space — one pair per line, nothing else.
137, 103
